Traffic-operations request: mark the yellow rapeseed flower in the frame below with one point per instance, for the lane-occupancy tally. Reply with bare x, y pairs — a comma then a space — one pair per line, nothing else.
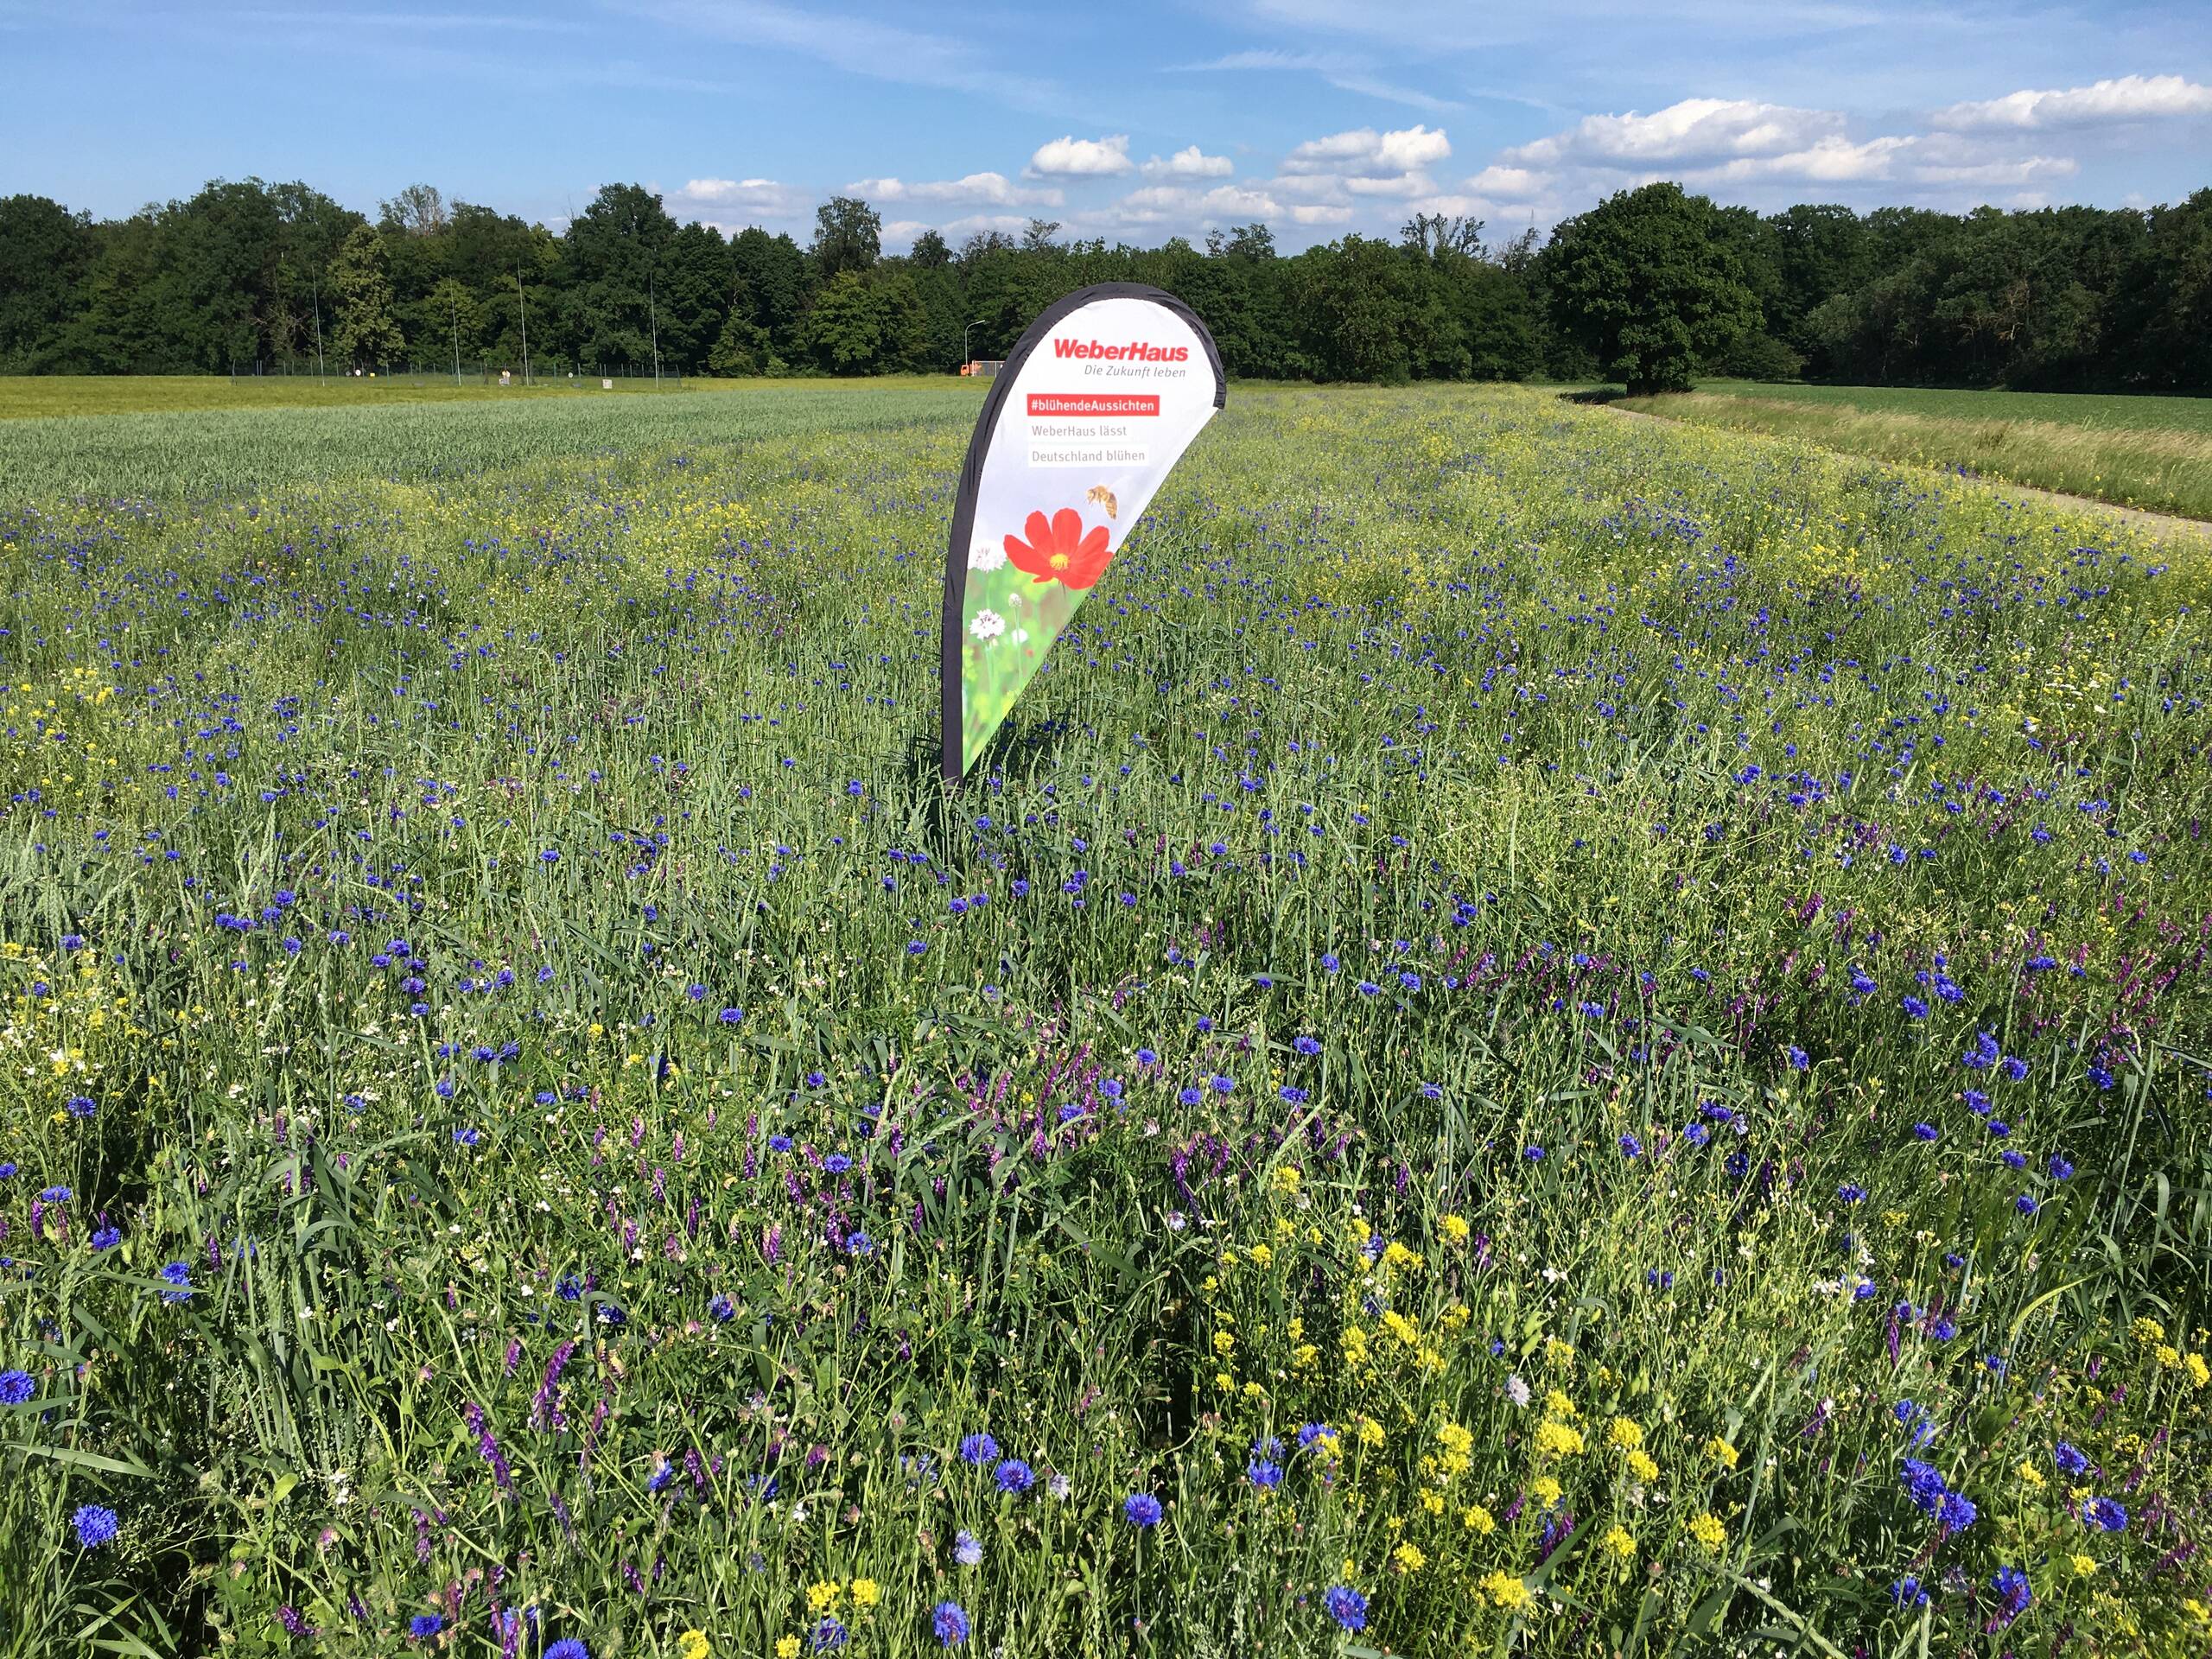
1641, 1465
1507, 1591
1559, 1405
1618, 1543
821, 1598
866, 1593
693, 1644
1720, 1452
2083, 1565
1557, 1440
2199, 1373
1709, 1532
2148, 1330
1478, 1519
1454, 1227
1625, 1433
787, 1647
1408, 1557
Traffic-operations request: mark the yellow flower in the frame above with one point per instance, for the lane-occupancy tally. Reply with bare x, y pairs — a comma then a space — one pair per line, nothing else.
787, 1647
1720, 1452
2083, 1565
1559, 1405
1286, 1178
1408, 1557
1432, 1503
2030, 1473
1224, 1343
866, 1593
1305, 1355
1350, 1574
1261, 1255
2149, 1329
1454, 1227
1370, 1431
1557, 1440
1618, 1543
1478, 1521
1641, 1465
693, 1644
2168, 1356
1507, 1591
1223, 1380
1402, 1328
1625, 1433
1355, 1346
2199, 1373
1709, 1531
1559, 1353
1454, 1438
1545, 1490
821, 1598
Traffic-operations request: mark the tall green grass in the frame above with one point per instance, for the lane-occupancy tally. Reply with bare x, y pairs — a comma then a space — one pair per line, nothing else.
2154, 453
1430, 998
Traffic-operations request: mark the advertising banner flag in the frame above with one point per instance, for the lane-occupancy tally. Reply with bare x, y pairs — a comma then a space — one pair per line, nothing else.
1089, 413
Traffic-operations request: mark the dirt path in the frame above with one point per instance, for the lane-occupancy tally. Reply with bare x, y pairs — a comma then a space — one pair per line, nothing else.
2166, 525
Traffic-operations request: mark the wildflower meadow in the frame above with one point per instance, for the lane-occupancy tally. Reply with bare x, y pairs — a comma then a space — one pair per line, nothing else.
1543, 1033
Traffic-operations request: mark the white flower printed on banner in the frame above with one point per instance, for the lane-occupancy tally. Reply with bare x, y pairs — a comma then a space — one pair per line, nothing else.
987, 556
988, 626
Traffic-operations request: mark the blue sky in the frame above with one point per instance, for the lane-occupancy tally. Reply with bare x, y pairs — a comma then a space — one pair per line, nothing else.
1134, 120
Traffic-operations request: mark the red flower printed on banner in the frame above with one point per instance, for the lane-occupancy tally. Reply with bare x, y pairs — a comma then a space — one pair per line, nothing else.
1058, 549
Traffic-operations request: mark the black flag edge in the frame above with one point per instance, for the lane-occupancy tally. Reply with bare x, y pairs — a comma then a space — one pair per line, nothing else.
971, 480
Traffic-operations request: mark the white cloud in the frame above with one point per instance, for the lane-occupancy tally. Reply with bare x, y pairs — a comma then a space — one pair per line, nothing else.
1367, 154
1154, 204
1072, 157
1190, 163
1319, 213
1350, 73
1404, 184
2131, 98
761, 198
995, 189
1694, 130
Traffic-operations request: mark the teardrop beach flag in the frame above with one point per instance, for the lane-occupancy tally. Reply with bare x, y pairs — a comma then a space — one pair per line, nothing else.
1095, 406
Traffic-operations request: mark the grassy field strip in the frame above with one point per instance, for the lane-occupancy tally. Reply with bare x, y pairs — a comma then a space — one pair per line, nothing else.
2162, 469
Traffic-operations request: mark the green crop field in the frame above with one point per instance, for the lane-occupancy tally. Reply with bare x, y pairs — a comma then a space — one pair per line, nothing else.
2154, 452
1543, 1033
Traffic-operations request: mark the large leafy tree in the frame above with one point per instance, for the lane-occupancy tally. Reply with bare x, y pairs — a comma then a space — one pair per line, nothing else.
1651, 282
616, 252
366, 332
848, 236
46, 253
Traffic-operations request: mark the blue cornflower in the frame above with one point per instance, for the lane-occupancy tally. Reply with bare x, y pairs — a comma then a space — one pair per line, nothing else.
721, 1310
1305, 1045
1534, 1154
978, 1449
1222, 1085
1346, 1605
96, 1523
966, 1550
16, 1387
1368, 988
1141, 1510
2060, 1169
1192, 1096
731, 1016
1852, 1193
1014, 1476
1954, 1512
837, 1163
663, 1471
1330, 964
949, 1622
1263, 1474
1148, 1057
466, 1137
53, 1194
1907, 1592
567, 1647
830, 1635
423, 1626
2025, 1203
1309, 1433
1922, 1484
1631, 1147
857, 1244
1797, 1058
106, 1238
1292, 1094
80, 1106
178, 1276
1924, 1131
2068, 1458
2104, 1514
2012, 1587
779, 1143
1914, 1008
1110, 1087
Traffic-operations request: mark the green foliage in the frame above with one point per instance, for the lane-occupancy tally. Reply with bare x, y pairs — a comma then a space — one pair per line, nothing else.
364, 333
1650, 282
1449, 774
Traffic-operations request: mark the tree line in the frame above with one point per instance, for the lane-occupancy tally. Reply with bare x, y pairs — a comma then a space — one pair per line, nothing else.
1653, 287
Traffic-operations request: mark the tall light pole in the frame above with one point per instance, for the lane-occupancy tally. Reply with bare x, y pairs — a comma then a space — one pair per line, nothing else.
523, 300
965, 358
